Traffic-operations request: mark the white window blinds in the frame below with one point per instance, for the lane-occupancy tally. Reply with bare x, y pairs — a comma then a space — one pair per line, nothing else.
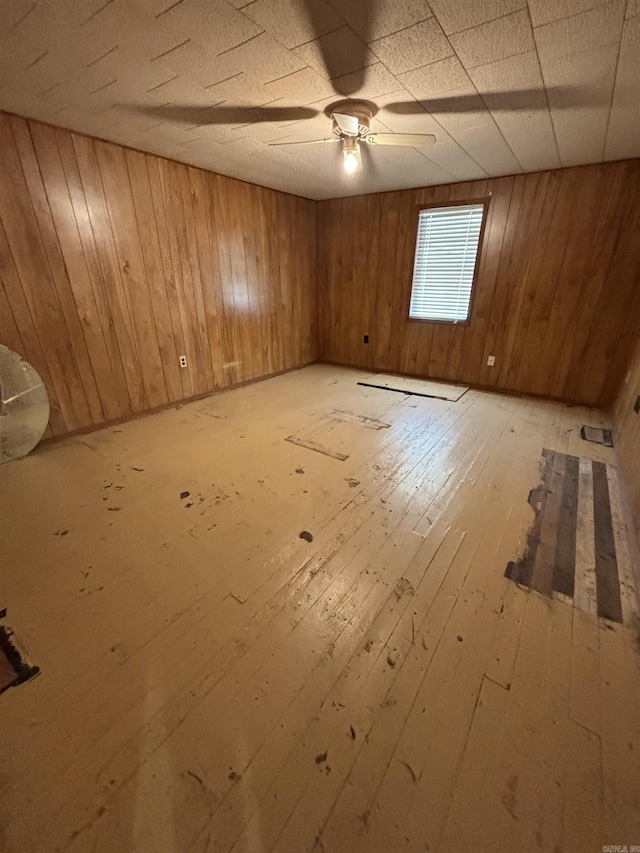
446, 252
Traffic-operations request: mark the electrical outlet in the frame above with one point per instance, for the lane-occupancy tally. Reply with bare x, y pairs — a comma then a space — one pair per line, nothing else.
182, 361
491, 360
366, 339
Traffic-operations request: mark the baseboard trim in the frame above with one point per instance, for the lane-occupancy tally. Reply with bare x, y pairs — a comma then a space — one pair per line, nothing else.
176, 404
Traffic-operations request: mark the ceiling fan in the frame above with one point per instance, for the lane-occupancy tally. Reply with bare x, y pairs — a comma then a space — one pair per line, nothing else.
351, 118
351, 121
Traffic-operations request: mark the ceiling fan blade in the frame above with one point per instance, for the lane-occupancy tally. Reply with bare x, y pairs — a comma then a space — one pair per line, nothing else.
369, 161
347, 124
223, 114
517, 100
305, 142
413, 139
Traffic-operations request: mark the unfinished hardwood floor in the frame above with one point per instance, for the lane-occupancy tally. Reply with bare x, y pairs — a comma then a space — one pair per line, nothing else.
211, 681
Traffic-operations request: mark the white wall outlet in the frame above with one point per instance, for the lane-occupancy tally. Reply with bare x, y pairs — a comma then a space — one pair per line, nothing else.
182, 361
491, 360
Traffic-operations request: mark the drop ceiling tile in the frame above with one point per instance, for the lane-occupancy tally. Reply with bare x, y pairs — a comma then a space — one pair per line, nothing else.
393, 174
456, 161
261, 57
408, 117
531, 139
374, 21
434, 80
459, 110
520, 112
585, 32
109, 23
237, 88
346, 51
487, 147
457, 15
14, 15
378, 81
300, 87
224, 26
507, 36
412, 48
318, 127
192, 61
265, 132
522, 73
174, 90
446, 153
217, 134
289, 22
548, 11
623, 137
580, 130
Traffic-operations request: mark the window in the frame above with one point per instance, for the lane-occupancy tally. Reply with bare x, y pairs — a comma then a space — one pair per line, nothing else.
445, 262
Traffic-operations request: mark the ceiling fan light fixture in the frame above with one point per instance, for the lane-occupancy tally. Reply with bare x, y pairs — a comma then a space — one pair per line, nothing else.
351, 154
350, 162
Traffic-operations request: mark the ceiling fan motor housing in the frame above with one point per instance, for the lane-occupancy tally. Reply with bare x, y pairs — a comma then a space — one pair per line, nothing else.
359, 110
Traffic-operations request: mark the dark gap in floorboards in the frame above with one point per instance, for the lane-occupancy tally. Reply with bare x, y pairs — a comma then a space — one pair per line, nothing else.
607, 581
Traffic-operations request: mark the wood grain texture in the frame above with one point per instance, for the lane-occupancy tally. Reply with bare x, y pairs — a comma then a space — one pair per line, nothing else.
627, 432
557, 283
113, 263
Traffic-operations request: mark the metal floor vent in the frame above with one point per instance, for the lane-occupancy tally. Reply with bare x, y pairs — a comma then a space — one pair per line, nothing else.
597, 436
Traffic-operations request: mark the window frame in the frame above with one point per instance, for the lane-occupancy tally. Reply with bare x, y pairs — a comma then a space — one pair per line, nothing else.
484, 201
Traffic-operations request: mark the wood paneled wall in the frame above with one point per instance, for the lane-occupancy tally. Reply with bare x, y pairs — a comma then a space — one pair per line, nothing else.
113, 263
627, 432
558, 284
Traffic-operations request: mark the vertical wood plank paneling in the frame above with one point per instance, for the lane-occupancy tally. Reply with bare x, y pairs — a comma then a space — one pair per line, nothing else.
557, 280
94, 279
209, 272
9, 332
113, 263
500, 202
168, 273
66, 229
87, 401
516, 281
124, 227
189, 252
31, 349
152, 265
33, 282
94, 193
494, 342
520, 359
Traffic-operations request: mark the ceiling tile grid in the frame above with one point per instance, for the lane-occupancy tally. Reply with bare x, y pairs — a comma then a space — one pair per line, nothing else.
505, 86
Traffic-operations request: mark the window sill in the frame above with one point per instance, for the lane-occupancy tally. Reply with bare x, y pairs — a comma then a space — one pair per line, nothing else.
466, 322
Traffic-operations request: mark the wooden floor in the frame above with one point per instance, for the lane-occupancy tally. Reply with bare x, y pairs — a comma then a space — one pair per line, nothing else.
213, 682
